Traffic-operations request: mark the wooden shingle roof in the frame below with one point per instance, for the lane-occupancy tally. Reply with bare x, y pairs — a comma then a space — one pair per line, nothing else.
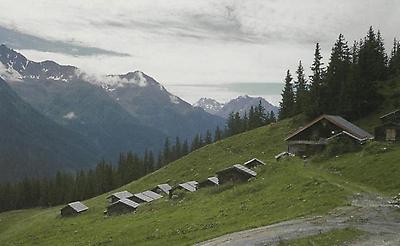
121, 195
78, 206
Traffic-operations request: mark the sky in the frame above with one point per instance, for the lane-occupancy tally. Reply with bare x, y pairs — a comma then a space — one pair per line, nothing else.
188, 42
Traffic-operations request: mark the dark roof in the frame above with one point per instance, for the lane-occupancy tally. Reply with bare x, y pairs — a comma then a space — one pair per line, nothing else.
152, 194
344, 133
389, 114
239, 168
121, 195
339, 122
164, 187
253, 160
127, 202
143, 197
78, 206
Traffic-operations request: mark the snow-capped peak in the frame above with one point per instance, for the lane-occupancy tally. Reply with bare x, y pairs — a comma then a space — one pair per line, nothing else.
209, 105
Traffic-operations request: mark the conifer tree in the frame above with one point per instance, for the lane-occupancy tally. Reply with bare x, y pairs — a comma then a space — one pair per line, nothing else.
300, 86
286, 106
316, 79
208, 138
217, 134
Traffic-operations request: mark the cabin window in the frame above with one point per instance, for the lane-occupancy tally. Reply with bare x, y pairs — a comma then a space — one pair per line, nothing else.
390, 134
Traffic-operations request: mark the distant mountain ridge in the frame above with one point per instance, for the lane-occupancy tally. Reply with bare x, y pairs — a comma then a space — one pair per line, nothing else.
240, 104
114, 113
32, 145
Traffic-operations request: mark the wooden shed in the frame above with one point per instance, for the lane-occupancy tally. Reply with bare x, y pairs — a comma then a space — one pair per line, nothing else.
119, 195
162, 189
122, 206
211, 181
235, 173
190, 186
141, 198
253, 163
152, 194
73, 208
316, 135
389, 130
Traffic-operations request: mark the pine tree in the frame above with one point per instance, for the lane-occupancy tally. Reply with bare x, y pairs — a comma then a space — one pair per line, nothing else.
166, 152
217, 134
394, 63
185, 148
335, 99
300, 86
316, 80
286, 106
208, 138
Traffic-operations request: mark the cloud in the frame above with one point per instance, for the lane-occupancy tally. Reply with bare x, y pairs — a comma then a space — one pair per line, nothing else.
19, 40
191, 41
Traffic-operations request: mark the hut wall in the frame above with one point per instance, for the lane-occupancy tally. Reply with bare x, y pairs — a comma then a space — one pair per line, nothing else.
232, 176
387, 133
68, 211
119, 208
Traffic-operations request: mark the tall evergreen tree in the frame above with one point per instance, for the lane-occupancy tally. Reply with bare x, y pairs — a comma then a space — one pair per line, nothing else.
217, 134
334, 97
300, 86
316, 79
286, 106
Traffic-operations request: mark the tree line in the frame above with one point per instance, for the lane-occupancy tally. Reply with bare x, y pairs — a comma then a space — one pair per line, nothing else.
348, 85
65, 187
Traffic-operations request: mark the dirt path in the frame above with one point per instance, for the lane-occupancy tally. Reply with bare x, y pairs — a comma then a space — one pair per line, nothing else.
369, 213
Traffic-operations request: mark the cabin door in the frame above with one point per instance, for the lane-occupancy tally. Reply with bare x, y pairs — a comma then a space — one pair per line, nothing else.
390, 134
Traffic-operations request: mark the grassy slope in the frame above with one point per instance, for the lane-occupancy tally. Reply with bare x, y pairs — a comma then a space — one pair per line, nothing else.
201, 215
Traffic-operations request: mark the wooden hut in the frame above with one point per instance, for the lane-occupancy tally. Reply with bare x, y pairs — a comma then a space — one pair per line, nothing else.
389, 130
317, 134
73, 208
162, 189
235, 173
211, 181
190, 186
122, 206
253, 163
152, 194
141, 198
119, 195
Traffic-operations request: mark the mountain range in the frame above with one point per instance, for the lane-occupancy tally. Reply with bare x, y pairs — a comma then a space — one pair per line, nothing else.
240, 104
108, 114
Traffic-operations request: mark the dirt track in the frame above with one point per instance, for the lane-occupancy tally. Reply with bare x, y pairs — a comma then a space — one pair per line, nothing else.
369, 213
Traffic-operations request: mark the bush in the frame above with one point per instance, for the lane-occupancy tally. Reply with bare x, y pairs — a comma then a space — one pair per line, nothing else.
341, 146
374, 147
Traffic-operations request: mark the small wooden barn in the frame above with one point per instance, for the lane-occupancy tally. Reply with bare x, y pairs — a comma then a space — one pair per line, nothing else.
389, 130
318, 133
162, 189
73, 208
119, 195
253, 163
211, 181
235, 173
152, 194
122, 206
190, 186
141, 198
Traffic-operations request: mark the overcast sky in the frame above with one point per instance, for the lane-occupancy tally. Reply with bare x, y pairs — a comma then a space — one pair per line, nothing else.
190, 41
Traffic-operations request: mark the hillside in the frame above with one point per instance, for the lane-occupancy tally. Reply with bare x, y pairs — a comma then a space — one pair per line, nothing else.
282, 191
33, 145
